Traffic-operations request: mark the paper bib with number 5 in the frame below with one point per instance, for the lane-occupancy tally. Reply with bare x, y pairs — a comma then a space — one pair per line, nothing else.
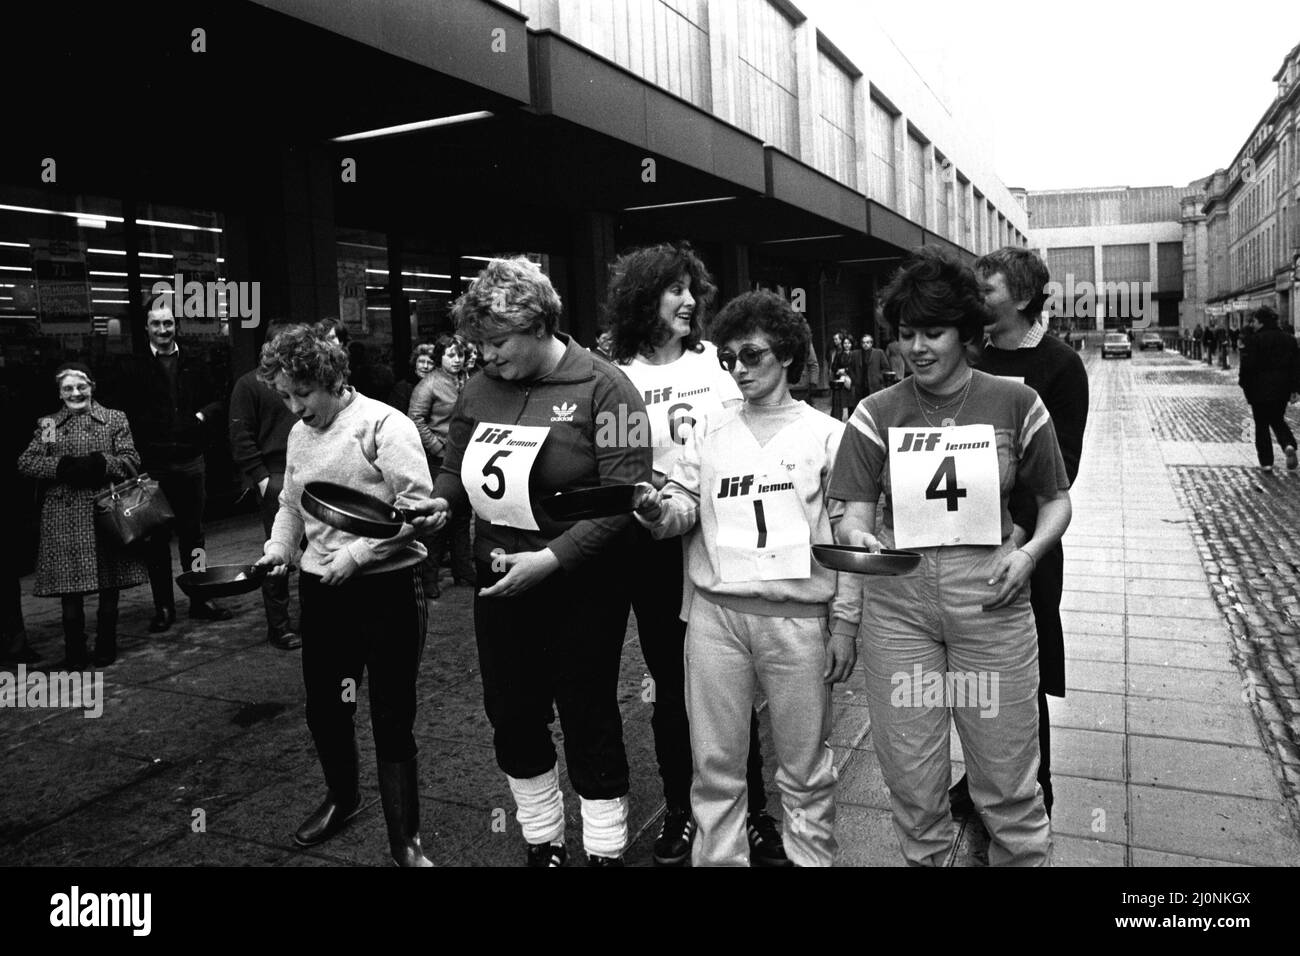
945, 485
495, 472
762, 532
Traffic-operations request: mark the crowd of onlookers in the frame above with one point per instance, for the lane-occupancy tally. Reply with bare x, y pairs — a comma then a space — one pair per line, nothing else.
162, 414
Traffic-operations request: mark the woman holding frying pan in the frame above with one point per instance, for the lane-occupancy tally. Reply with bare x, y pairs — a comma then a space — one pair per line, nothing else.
546, 416
657, 301
362, 598
750, 493
944, 448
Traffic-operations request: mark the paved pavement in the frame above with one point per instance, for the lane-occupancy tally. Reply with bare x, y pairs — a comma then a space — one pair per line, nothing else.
1176, 743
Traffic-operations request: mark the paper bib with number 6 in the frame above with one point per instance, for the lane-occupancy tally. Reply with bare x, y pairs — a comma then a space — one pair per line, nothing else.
495, 472
945, 485
762, 532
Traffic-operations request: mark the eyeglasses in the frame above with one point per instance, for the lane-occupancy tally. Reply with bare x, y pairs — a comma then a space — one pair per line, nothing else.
749, 357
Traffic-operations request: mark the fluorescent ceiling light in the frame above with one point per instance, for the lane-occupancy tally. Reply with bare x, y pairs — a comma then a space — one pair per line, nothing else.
61, 212
878, 259
111, 301
159, 224
777, 242
115, 275
87, 223
15, 268
674, 205
16, 245
412, 127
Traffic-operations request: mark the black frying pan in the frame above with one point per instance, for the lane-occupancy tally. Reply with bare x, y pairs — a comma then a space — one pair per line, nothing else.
353, 511
222, 580
603, 502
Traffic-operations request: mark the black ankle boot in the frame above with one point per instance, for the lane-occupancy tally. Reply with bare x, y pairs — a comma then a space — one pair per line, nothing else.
342, 802
399, 790
105, 649
330, 817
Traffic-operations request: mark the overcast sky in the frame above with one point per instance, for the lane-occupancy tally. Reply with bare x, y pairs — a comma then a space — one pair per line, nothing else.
1102, 93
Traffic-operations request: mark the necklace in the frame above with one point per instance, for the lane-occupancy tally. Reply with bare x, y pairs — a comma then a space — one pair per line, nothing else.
951, 420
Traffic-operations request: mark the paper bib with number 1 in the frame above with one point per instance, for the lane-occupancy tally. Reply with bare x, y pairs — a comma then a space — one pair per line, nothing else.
495, 470
945, 485
762, 532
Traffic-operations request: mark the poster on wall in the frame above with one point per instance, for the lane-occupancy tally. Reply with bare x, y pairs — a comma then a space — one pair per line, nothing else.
352, 295
62, 287
204, 307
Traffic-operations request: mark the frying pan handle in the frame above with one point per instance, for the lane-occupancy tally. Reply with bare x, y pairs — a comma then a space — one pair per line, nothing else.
261, 570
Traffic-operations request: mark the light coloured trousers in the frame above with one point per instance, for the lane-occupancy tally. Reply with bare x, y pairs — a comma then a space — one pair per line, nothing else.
932, 618
728, 655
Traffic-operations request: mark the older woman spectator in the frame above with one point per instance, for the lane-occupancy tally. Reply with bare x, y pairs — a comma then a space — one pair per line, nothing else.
362, 600
430, 409
552, 610
78, 451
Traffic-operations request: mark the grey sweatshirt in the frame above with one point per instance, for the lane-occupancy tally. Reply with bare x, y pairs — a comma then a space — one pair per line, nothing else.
369, 447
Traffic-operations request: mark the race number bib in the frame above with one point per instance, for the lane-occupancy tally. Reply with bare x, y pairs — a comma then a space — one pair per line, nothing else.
495, 472
945, 484
762, 532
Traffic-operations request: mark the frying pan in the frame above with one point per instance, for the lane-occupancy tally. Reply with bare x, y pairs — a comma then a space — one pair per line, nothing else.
603, 502
222, 580
353, 511
843, 557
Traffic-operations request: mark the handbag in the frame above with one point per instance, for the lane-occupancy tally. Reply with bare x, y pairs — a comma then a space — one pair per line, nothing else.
132, 510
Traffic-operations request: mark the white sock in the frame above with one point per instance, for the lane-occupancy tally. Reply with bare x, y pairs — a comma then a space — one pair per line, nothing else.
604, 826
540, 807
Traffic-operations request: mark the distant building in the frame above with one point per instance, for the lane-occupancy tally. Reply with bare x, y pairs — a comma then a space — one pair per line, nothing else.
1252, 226
1115, 254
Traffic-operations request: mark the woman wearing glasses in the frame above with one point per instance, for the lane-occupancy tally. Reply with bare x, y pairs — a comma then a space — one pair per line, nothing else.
944, 448
762, 613
657, 301
77, 452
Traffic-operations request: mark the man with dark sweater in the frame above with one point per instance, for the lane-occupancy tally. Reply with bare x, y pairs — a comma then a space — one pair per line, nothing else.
259, 435
1016, 346
171, 403
1270, 374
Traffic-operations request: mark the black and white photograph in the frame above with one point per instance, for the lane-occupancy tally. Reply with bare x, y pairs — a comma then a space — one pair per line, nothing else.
662, 434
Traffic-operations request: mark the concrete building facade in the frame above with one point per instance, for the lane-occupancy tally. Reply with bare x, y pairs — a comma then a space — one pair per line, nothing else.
1116, 253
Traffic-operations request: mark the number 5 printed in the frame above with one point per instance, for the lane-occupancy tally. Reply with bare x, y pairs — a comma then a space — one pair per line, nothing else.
490, 470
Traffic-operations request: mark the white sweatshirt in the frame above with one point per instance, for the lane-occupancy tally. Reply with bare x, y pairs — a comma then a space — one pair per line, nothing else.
725, 470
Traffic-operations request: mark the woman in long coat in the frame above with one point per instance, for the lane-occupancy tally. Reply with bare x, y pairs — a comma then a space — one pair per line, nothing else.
76, 453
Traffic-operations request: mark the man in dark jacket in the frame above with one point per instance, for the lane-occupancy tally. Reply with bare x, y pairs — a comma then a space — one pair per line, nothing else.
866, 370
1014, 284
171, 402
1270, 374
259, 435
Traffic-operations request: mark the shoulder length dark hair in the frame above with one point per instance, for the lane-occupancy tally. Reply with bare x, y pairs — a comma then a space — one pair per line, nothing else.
637, 282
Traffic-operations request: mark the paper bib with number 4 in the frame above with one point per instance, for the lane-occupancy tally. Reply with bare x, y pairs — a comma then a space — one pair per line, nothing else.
762, 532
495, 472
945, 486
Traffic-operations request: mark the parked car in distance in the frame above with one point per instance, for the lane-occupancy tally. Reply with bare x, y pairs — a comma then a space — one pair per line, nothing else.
1116, 343
1150, 340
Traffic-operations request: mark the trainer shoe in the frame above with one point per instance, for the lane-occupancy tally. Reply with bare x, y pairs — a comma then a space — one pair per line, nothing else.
546, 854
765, 846
1267, 468
593, 860
673, 847
1291, 461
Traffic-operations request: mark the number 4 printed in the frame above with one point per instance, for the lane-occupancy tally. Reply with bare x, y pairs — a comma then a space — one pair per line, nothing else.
948, 474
